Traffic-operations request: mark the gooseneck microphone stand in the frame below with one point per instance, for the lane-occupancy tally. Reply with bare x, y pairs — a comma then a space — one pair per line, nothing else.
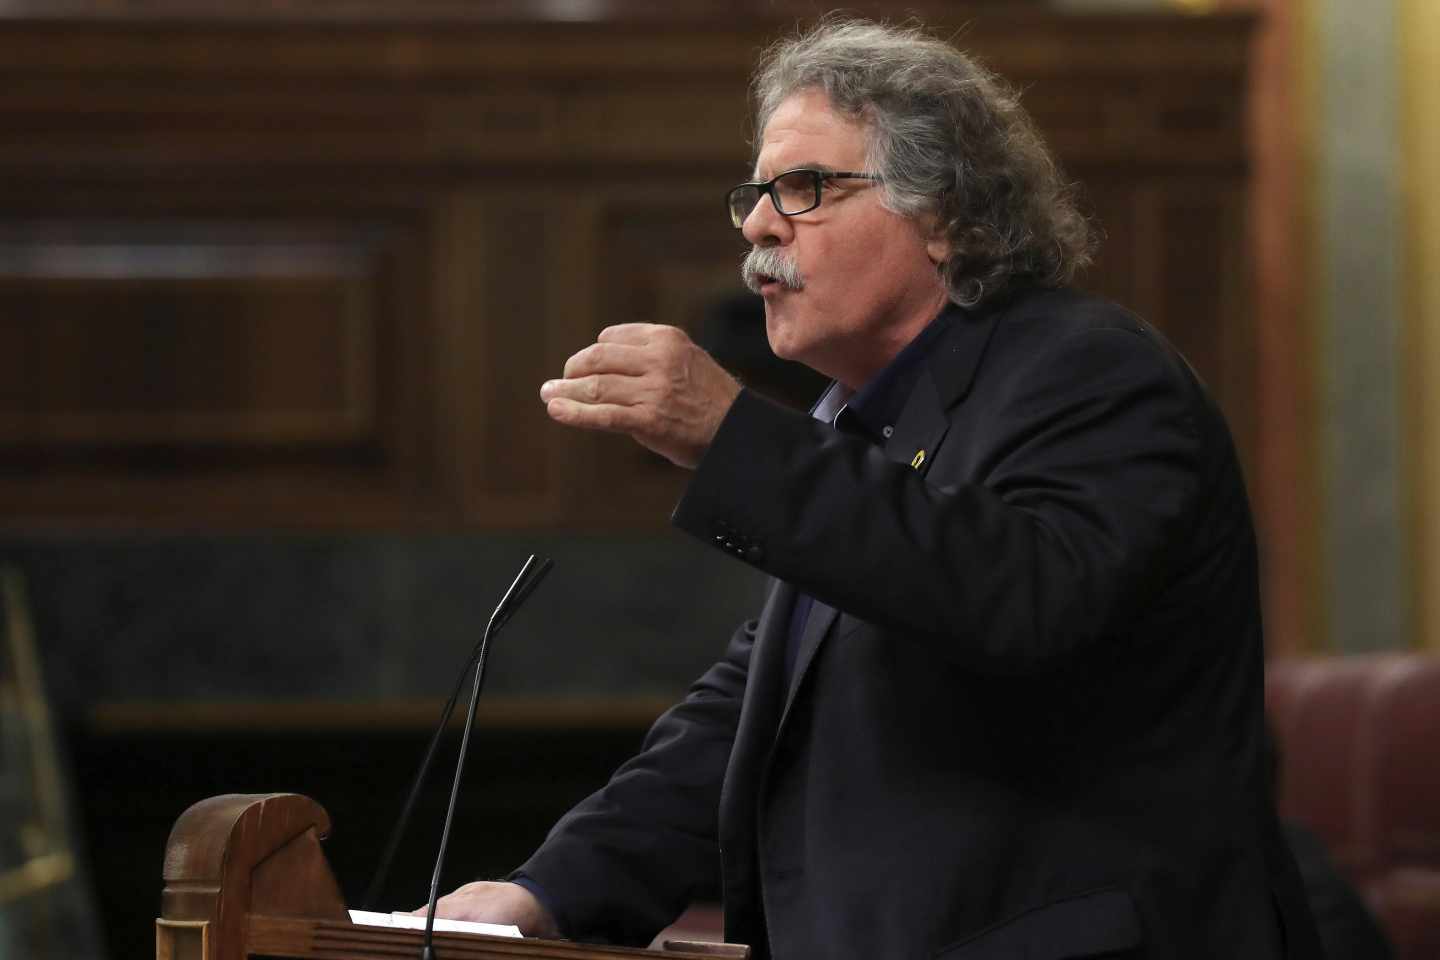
524, 584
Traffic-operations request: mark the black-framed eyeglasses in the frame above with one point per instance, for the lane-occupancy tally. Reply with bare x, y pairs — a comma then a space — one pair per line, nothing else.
792, 192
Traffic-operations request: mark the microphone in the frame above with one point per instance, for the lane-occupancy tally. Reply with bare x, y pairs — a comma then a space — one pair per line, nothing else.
520, 589
524, 585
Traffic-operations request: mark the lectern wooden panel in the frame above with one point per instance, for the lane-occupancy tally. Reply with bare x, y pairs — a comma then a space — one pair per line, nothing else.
245, 876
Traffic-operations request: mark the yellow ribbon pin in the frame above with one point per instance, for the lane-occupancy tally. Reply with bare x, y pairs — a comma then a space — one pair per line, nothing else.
919, 459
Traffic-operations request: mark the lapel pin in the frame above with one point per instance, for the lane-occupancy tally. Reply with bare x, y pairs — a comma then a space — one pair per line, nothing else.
919, 459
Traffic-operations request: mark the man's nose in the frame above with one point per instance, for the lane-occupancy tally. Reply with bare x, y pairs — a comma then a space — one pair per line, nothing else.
764, 226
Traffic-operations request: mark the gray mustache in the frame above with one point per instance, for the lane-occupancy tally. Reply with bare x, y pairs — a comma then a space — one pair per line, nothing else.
763, 262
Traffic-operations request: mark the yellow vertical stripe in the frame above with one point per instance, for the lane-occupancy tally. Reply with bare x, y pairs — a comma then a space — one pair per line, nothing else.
1305, 74
1419, 40
1305, 71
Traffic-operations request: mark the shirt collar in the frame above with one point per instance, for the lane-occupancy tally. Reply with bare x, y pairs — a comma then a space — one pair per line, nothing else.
873, 409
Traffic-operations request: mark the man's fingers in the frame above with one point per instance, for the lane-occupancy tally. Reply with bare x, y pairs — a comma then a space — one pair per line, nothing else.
609, 358
497, 902
597, 416
596, 388
631, 333
649, 381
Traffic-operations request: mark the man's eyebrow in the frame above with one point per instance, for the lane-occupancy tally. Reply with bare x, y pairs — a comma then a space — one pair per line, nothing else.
803, 165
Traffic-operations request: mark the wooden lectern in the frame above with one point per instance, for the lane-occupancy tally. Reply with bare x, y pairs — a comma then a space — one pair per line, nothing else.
245, 877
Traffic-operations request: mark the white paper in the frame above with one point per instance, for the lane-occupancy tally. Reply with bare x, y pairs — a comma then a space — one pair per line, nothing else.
408, 921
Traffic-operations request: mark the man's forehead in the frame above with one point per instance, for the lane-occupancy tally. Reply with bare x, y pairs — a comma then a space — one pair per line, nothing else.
804, 131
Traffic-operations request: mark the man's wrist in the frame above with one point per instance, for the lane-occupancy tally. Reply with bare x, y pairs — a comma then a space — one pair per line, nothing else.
545, 924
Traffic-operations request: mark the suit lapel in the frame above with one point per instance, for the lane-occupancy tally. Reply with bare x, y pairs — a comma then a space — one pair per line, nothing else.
918, 432
921, 427
817, 625
763, 688
916, 438
760, 710
953, 362
943, 382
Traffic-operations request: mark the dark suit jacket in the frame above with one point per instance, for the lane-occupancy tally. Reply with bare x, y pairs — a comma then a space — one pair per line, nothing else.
1026, 716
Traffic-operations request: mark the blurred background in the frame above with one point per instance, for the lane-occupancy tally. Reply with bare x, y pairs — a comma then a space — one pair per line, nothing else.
280, 279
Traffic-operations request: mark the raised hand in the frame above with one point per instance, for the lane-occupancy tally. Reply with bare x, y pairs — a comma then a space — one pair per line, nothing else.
649, 381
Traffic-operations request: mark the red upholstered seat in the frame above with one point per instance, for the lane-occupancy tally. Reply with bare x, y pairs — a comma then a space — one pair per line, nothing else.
1359, 742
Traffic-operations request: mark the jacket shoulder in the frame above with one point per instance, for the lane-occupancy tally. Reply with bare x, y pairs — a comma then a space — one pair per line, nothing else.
1065, 310
1033, 323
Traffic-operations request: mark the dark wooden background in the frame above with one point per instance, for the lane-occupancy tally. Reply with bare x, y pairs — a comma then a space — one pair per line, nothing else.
310, 272
278, 285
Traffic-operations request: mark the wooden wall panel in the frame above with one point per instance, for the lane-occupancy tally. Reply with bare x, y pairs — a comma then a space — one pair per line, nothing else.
172, 342
512, 476
210, 354
267, 266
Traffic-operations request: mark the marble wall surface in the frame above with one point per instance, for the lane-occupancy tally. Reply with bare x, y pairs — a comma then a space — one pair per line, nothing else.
372, 617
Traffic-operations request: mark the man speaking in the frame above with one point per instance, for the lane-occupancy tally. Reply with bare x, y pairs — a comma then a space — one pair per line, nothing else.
1004, 698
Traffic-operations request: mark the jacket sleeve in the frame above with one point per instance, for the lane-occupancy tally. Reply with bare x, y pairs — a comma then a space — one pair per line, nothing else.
1080, 488
623, 863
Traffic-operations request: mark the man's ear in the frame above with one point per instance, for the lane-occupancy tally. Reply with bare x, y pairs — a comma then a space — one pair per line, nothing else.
937, 242
938, 247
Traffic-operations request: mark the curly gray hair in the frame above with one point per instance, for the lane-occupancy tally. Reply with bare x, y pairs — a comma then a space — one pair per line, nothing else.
949, 139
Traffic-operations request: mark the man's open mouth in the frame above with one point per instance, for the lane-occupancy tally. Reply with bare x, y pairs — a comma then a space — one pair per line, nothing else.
754, 271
